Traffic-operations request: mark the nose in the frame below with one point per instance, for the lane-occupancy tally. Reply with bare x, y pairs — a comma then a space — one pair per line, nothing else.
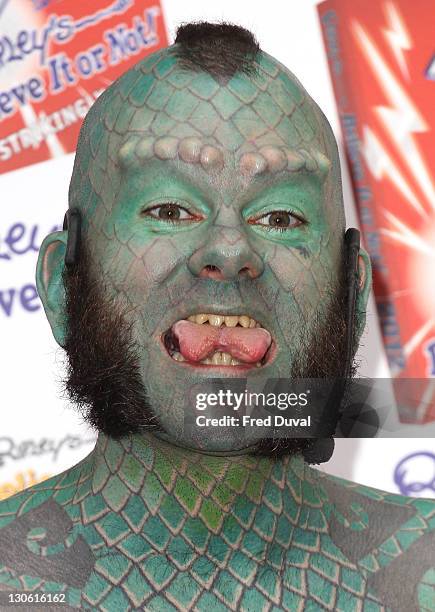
226, 256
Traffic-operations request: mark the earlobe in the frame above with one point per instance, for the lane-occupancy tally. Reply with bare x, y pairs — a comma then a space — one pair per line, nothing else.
51, 263
364, 287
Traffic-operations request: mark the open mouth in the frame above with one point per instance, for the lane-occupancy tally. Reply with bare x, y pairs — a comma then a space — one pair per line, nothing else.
219, 340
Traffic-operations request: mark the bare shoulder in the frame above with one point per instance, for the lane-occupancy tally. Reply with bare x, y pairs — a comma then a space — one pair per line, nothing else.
60, 489
362, 507
39, 538
341, 490
390, 537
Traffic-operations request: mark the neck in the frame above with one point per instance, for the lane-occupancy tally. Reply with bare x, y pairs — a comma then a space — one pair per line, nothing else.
177, 482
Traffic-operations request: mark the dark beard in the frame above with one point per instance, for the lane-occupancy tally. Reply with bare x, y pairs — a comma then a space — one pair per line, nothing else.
325, 349
103, 375
103, 378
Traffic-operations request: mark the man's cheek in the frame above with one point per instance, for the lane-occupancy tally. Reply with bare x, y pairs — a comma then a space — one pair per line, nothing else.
155, 281
138, 272
296, 270
300, 280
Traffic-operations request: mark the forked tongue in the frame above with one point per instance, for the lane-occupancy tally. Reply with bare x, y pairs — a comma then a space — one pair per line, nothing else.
199, 341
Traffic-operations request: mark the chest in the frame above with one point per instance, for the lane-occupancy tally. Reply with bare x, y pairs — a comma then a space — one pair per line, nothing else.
250, 575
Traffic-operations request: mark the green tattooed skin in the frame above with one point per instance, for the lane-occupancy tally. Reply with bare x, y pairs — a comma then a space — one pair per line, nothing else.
210, 196
143, 525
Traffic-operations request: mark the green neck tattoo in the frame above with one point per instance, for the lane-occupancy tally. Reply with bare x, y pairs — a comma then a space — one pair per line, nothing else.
210, 487
141, 525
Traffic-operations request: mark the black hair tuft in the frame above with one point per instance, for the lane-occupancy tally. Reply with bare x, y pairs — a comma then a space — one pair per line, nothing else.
221, 49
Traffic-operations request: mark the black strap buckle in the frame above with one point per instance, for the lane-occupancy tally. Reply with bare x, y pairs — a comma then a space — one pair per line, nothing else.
352, 246
73, 223
322, 448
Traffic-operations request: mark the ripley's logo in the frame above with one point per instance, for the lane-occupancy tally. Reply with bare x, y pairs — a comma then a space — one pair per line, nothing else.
54, 65
20, 239
12, 450
415, 474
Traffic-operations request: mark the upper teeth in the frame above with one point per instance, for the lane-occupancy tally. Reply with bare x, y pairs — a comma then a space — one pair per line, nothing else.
218, 320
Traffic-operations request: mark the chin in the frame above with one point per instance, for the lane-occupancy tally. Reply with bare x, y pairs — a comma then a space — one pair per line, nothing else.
210, 442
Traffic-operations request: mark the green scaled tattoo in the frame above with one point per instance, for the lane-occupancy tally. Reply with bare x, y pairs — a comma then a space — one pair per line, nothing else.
208, 185
142, 525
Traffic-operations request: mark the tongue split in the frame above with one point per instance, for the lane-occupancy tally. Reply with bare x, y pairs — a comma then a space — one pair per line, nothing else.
198, 341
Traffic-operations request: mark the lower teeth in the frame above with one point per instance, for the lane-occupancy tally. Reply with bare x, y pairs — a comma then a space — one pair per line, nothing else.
216, 359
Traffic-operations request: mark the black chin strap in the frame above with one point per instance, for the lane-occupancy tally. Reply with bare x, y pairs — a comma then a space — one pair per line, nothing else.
73, 223
321, 450
352, 246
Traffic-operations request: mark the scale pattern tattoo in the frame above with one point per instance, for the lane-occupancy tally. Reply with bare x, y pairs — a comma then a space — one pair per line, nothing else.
142, 524
159, 530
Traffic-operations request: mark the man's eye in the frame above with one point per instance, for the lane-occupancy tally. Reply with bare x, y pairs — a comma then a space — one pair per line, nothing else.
278, 220
169, 212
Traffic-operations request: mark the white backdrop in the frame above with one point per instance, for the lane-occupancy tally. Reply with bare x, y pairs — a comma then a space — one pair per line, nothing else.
40, 433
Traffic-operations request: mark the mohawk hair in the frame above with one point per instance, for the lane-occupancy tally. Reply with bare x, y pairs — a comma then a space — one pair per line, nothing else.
221, 49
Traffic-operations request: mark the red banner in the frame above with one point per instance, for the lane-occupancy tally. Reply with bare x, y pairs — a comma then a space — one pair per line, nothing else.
382, 61
56, 57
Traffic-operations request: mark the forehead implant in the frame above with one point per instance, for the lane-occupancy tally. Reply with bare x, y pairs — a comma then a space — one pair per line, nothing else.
269, 159
264, 120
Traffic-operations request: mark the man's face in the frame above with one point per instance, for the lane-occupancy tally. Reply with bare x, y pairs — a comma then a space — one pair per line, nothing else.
219, 237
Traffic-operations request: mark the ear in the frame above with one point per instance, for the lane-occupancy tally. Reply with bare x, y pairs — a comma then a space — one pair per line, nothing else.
364, 287
51, 263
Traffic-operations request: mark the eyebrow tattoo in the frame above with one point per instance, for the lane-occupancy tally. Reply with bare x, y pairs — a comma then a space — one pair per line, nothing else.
268, 159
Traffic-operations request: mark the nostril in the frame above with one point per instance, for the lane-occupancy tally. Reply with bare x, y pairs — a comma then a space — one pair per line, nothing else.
211, 271
245, 271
